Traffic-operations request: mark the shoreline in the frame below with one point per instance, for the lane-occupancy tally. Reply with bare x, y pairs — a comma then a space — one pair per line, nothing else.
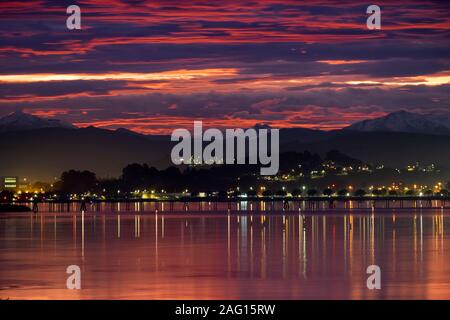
13, 208
221, 213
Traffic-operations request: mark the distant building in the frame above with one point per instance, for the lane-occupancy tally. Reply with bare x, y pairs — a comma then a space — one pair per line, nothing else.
10, 183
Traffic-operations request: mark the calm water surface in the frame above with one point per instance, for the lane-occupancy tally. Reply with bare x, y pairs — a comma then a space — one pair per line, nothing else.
225, 256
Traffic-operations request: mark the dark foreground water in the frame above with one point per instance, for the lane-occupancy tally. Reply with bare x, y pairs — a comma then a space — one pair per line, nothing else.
221, 256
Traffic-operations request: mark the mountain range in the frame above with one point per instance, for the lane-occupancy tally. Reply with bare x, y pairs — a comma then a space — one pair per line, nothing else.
40, 149
20, 121
403, 121
399, 121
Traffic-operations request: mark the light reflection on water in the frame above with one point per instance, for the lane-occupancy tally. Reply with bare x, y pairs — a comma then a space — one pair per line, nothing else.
225, 256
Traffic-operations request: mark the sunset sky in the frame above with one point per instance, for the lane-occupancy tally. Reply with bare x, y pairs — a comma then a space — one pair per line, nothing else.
152, 66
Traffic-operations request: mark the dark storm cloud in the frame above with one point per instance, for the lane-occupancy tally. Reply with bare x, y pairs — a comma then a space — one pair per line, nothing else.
55, 88
286, 60
423, 58
262, 106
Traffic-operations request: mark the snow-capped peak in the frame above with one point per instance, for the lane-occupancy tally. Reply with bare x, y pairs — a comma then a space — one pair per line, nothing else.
402, 121
19, 121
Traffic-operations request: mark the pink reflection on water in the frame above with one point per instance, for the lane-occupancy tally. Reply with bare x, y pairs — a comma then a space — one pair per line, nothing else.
220, 256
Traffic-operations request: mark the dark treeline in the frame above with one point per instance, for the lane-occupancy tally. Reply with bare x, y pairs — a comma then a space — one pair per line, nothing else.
141, 176
295, 171
195, 178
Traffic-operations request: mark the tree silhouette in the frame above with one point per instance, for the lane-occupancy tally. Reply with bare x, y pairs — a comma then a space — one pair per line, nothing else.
377, 192
78, 181
110, 186
393, 193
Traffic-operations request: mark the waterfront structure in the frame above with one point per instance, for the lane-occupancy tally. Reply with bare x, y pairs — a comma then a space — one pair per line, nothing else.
9, 182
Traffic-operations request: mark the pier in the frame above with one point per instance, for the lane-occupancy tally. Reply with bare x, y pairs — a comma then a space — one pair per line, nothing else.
242, 205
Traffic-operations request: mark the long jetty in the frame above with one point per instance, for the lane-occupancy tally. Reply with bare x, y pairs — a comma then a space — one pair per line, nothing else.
250, 204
